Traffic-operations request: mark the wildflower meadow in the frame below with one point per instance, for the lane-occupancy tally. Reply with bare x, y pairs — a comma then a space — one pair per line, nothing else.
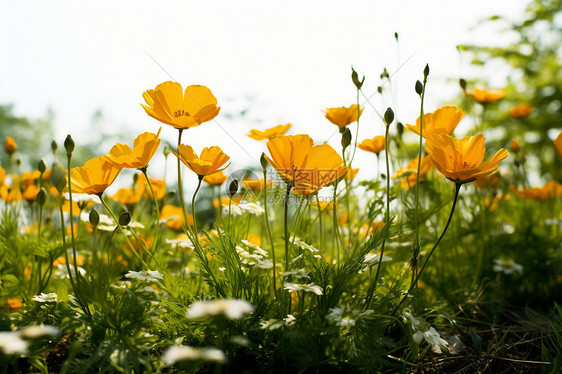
448, 260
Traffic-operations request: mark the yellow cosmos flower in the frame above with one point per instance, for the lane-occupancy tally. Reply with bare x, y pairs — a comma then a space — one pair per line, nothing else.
460, 160
30, 193
558, 144
9, 193
215, 179
484, 96
374, 145
10, 145
128, 195
550, 190
2, 175
144, 147
169, 104
172, 217
254, 238
269, 133
410, 171
305, 167
211, 159
27, 179
95, 176
224, 201
443, 121
520, 111
487, 180
343, 116
255, 185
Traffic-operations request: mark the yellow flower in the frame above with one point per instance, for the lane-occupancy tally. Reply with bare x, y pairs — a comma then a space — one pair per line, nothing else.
215, 179
484, 96
2, 175
211, 159
351, 173
514, 146
302, 165
550, 190
168, 104
95, 176
269, 133
173, 217
254, 238
520, 111
144, 147
28, 179
14, 304
158, 185
10, 145
256, 185
487, 180
460, 160
9, 193
128, 195
374, 145
343, 116
410, 171
224, 201
443, 121
30, 193
558, 144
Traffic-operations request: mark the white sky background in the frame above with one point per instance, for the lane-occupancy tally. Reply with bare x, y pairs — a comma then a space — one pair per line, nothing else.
284, 61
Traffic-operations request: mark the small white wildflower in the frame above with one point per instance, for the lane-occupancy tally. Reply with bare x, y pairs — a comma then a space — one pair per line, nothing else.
432, 338
345, 316
299, 243
104, 227
235, 209
145, 275
228, 308
289, 320
185, 353
181, 243
62, 271
222, 269
34, 332
251, 208
374, 258
11, 343
255, 247
298, 273
272, 324
311, 287
266, 264
82, 197
136, 225
46, 297
507, 266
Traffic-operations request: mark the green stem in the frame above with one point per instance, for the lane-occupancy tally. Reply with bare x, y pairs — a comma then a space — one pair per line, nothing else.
268, 229
416, 209
143, 170
193, 204
72, 222
321, 227
286, 226
120, 228
414, 284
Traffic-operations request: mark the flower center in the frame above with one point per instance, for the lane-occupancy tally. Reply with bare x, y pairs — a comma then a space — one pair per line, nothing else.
181, 113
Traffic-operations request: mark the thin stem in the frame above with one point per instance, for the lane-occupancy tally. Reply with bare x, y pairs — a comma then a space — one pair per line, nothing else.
268, 229
373, 286
180, 187
416, 209
72, 222
193, 204
321, 227
120, 228
286, 227
414, 284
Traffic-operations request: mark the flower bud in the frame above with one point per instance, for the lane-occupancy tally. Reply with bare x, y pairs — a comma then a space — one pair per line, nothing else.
346, 138
426, 71
94, 217
41, 166
167, 150
396, 36
388, 116
41, 196
419, 87
125, 218
69, 145
10, 145
400, 129
54, 146
355, 79
263, 161
58, 176
233, 187
462, 83
379, 89
18, 162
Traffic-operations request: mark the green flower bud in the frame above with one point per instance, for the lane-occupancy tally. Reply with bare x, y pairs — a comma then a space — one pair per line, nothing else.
69, 145
125, 218
94, 217
426, 71
233, 187
58, 176
263, 161
54, 146
462, 83
346, 138
388, 116
41, 166
41, 196
419, 87
355, 79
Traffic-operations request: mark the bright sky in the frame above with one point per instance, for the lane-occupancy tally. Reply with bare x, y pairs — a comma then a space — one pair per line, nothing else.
284, 61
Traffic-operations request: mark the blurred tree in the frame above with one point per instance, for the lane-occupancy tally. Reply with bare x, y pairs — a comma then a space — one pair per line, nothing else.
33, 137
534, 77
